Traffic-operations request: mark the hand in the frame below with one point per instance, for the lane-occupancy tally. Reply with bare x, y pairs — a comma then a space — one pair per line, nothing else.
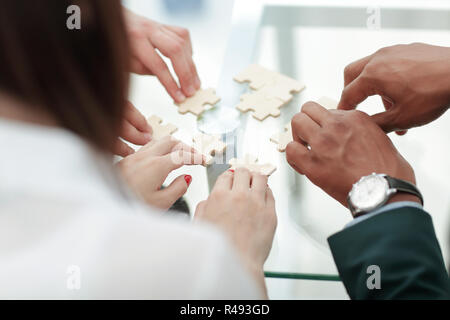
135, 129
242, 204
147, 36
146, 170
413, 81
343, 147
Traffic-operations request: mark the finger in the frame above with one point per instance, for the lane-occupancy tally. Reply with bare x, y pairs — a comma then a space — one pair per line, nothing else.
241, 180
162, 146
122, 149
298, 157
185, 147
270, 199
152, 61
137, 119
224, 181
401, 132
172, 46
193, 69
355, 93
131, 134
137, 67
389, 104
179, 158
303, 128
174, 191
200, 209
316, 112
354, 69
168, 145
385, 120
259, 185
182, 33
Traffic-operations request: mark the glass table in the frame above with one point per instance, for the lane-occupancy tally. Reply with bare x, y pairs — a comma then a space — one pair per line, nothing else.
313, 43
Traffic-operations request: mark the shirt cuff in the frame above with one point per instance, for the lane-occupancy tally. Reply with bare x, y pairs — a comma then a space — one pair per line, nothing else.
390, 206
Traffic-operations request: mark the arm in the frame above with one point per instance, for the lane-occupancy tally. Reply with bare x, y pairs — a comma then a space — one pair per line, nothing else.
402, 242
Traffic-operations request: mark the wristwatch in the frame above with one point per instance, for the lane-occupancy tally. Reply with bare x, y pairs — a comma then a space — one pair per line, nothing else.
373, 191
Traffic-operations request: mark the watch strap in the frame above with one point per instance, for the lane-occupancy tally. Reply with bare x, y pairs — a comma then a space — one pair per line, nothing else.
404, 186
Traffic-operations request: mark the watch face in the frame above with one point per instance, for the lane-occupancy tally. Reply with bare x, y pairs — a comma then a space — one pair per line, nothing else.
369, 192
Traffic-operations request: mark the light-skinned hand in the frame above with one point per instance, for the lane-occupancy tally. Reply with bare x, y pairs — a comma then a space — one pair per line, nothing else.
146, 170
242, 205
148, 38
135, 129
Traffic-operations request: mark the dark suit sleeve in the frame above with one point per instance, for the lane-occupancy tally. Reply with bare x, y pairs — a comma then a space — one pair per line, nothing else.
402, 242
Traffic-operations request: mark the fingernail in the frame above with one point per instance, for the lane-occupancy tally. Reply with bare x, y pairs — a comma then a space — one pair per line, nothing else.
198, 84
179, 96
190, 90
188, 179
148, 136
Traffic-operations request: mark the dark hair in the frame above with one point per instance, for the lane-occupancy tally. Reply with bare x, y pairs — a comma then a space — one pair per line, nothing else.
76, 76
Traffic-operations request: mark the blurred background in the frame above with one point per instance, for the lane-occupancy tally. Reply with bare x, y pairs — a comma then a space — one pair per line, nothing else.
311, 41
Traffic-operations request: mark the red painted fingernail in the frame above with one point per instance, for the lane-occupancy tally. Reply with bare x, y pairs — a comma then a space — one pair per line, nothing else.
188, 179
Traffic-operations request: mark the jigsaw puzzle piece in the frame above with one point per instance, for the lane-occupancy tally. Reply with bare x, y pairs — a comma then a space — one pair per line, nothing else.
272, 91
259, 77
196, 103
283, 138
260, 104
159, 130
284, 88
251, 163
208, 145
256, 76
327, 103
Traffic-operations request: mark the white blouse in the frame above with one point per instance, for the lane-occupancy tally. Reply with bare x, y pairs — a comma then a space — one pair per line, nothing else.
69, 229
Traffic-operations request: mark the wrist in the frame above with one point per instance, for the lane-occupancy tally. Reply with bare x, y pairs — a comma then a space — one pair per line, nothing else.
256, 270
399, 197
376, 190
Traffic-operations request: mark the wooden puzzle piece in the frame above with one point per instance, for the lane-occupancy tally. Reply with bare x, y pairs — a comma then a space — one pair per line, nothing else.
261, 105
283, 138
256, 76
272, 91
283, 88
196, 103
279, 85
251, 163
159, 130
208, 145
327, 103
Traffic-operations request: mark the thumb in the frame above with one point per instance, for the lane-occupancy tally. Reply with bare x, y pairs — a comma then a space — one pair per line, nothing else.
199, 211
176, 189
354, 93
389, 104
385, 120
